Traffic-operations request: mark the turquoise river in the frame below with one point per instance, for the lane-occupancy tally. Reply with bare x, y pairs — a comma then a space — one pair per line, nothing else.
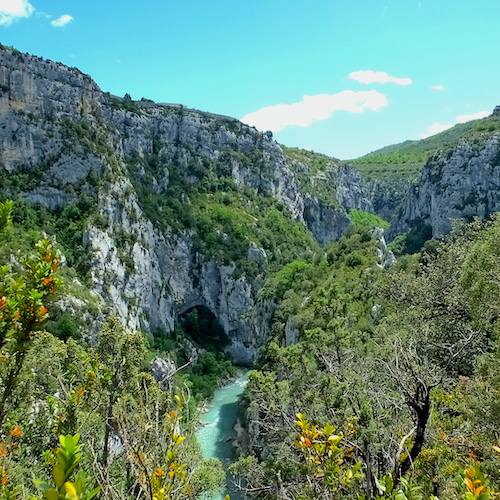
217, 433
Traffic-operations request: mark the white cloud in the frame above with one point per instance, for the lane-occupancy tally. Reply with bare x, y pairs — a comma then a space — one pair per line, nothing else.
314, 108
61, 21
435, 128
438, 87
368, 76
475, 116
10, 10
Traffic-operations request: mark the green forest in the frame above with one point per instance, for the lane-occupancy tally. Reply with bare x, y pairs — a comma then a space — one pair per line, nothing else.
375, 383
392, 388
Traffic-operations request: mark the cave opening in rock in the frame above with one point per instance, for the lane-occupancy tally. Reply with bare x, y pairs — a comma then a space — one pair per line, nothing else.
211, 364
201, 326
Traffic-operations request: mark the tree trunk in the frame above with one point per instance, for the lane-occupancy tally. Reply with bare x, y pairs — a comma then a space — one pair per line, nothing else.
369, 479
107, 431
421, 405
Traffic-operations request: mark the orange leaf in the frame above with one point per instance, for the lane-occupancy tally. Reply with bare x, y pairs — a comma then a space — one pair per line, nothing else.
469, 484
478, 490
17, 431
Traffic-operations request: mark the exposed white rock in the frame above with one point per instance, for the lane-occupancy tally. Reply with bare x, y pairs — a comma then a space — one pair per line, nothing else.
163, 371
385, 256
460, 184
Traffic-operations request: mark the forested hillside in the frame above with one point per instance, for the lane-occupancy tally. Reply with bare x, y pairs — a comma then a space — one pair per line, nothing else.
149, 252
405, 161
402, 362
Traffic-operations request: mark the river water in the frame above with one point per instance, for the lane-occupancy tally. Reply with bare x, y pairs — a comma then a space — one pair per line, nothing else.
217, 434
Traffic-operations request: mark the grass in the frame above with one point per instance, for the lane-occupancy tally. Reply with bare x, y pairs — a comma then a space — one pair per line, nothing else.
405, 161
315, 162
365, 219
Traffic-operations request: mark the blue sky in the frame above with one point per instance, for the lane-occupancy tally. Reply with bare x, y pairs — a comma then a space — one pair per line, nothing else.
376, 72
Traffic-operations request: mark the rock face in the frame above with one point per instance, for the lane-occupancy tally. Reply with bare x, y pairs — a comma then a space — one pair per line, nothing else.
163, 371
329, 222
325, 222
387, 196
350, 189
329, 194
49, 112
63, 140
459, 184
385, 256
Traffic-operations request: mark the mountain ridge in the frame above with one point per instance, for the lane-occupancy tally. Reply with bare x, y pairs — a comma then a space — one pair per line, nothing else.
179, 208
182, 209
405, 160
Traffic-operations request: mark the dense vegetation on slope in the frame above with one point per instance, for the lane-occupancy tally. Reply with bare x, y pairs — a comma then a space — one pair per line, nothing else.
405, 161
225, 217
311, 170
52, 386
403, 362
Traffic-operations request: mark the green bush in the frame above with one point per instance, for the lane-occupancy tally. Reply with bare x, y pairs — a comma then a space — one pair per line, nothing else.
366, 219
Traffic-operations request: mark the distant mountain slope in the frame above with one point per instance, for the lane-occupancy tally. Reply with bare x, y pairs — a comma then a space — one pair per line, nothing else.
330, 189
405, 161
459, 181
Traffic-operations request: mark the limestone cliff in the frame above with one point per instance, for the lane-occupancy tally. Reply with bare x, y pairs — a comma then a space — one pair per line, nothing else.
183, 208
330, 189
458, 182
141, 169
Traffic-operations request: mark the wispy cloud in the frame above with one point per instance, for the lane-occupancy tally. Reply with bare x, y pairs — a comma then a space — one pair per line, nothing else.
475, 116
437, 87
61, 21
435, 128
10, 10
314, 108
369, 76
